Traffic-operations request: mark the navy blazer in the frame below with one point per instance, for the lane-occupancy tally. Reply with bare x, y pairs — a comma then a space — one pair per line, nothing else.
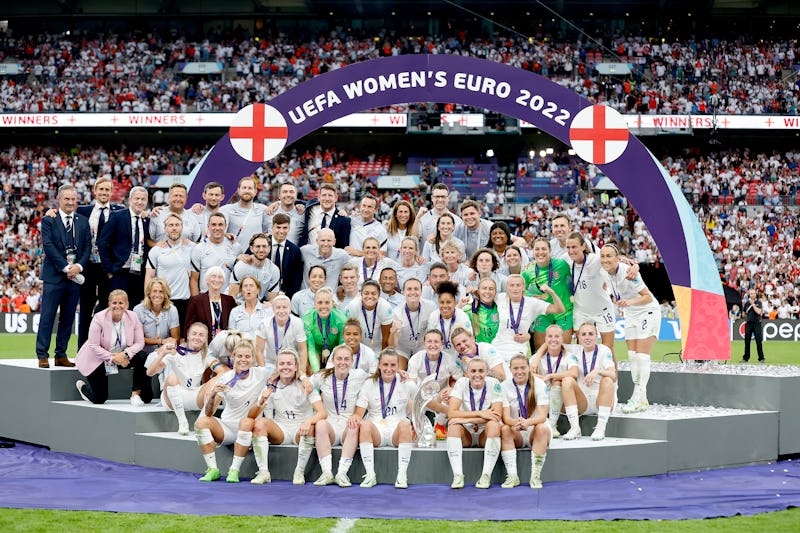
340, 225
292, 268
115, 242
86, 210
54, 243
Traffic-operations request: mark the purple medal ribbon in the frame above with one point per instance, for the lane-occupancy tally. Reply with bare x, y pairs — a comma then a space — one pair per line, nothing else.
438, 365
576, 282
364, 268
358, 357
549, 276
515, 323
344, 392
558, 362
370, 332
285, 331
385, 401
237, 377
184, 350
594, 360
327, 331
523, 404
414, 334
445, 334
483, 398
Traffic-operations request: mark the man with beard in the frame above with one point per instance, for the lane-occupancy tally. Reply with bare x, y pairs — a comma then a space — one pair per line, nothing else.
246, 217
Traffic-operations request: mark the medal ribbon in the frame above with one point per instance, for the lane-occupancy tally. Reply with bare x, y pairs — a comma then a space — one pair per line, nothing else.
483, 398
285, 331
370, 332
558, 362
385, 401
414, 334
237, 377
576, 282
184, 350
336, 395
523, 404
549, 276
515, 323
594, 360
327, 331
445, 334
364, 268
438, 365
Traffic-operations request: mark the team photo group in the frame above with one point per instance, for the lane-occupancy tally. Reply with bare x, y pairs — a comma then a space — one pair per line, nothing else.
298, 323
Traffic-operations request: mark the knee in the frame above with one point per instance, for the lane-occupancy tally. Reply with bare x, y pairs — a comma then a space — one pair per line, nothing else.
568, 383
492, 429
172, 380
404, 429
606, 382
506, 431
246, 424
202, 422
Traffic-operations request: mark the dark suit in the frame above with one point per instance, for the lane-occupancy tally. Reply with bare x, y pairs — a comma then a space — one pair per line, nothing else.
339, 223
199, 310
114, 245
291, 267
94, 292
60, 294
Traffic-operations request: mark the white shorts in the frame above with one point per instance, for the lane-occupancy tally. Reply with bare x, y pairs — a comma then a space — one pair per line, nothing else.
189, 399
289, 431
642, 326
339, 426
230, 428
591, 399
386, 428
475, 431
604, 321
526, 435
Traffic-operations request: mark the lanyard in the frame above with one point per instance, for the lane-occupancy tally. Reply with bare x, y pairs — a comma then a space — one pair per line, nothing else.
558, 362
483, 398
594, 360
414, 334
576, 282
370, 332
445, 334
515, 323
364, 269
549, 275
327, 331
244, 222
285, 331
385, 401
237, 377
119, 332
438, 365
344, 392
523, 404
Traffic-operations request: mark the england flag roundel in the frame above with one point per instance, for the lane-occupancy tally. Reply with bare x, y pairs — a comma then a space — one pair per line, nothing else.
258, 132
598, 134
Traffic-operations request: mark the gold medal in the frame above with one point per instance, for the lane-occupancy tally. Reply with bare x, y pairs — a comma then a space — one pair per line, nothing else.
572, 299
326, 353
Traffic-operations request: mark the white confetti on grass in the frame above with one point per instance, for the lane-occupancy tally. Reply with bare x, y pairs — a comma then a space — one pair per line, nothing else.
343, 525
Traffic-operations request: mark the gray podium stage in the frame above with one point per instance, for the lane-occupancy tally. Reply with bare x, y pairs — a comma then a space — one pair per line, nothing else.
698, 420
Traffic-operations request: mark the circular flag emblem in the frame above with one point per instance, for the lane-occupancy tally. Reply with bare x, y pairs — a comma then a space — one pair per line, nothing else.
598, 134
258, 132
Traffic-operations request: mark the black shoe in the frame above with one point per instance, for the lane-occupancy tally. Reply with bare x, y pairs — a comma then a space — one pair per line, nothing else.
745, 360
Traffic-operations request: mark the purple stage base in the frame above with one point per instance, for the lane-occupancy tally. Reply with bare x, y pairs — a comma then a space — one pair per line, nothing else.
36, 478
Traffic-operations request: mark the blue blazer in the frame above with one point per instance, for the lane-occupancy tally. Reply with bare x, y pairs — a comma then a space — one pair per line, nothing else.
292, 260
115, 242
340, 225
54, 243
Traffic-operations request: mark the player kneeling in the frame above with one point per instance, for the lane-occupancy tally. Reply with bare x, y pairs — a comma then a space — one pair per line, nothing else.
592, 386
525, 407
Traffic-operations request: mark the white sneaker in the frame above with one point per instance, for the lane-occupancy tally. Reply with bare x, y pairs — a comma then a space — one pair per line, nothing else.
483, 482
342, 480
369, 481
629, 407
79, 385
554, 430
458, 482
599, 433
183, 427
635, 407
402, 481
325, 479
261, 478
536, 483
299, 478
136, 401
510, 482
572, 434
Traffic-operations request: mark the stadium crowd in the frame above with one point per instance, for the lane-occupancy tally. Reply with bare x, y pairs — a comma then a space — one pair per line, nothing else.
142, 72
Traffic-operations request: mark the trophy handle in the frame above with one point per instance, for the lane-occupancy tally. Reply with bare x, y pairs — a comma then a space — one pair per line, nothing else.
428, 390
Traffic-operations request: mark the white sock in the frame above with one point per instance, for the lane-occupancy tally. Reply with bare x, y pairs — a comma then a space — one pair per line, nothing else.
510, 461
244, 439
644, 375
490, 454
176, 399
555, 404
572, 415
236, 464
537, 462
261, 453
204, 436
633, 361
403, 456
210, 459
344, 465
603, 412
326, 464
368, 457
454, 452
304, 452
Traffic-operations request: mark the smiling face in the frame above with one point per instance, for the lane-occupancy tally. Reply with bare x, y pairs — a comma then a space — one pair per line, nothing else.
371, 249
246, 190
323, 303
242, 359
484, 263
369, 296
465, 344
215, 281
216, 229
553, 338
408, 250
325, 241
439, 199
433, 344
412, 290
609, 259
287, 196
286, 365
587, 337
471, 217
281, 308
68, 201
173, 227
280, 231
513, 257
342, 361
213, 197
157, 295
118, 305
520, 369
476, 372
451, 255
560, 228
352, 337
327, 199
403, 215
388, 366
515, 286
138, 201
196, 337
541, 252
447, 305
368, 207
102, 192
260, 248
446, 227
177, 199
316, 279
438, 275
388, 281
576, 250
487, 291
498, 237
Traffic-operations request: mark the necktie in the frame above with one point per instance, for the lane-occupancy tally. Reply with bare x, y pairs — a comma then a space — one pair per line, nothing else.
102, 220
324, 220
136, 235
278, 258
70, 232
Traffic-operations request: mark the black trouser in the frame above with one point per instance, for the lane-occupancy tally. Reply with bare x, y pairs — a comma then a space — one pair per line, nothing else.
753, 329
141, 381
96, 386
94, 297
181, 306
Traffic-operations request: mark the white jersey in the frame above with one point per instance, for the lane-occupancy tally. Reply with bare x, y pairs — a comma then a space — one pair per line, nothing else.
513, 394
173, 263
415, 271
332, 264
395, 403
191, 227
289, 404
187, 368
459, 319
491, 393
243, 394
345, 399
486, 352
267, 274
624, 289
429, 250
444, 367
393, 242
207, 254
359, 232
371, 321
287, 336
553, 364
295, 225
527, 310
413, 325
365, 359
599, 359
427, 224
244, 222
247, 323
373, 272
216, 348
587, 284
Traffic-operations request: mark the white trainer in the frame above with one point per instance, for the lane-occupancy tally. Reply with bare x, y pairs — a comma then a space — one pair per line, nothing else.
79, 385
510, 482
342, 480
536, 482
183, 426
599, 432
369, 481
554, 430
483, 482
325, 479
572, 434
402, 481
262, 477
458, 482
136, 401
299, 478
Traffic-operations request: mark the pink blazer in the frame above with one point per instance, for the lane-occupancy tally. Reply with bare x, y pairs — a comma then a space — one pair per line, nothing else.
95, 351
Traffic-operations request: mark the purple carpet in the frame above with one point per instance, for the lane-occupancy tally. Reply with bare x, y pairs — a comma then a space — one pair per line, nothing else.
36, 478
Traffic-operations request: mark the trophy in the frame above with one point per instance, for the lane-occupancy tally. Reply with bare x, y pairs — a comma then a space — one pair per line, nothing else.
428, 391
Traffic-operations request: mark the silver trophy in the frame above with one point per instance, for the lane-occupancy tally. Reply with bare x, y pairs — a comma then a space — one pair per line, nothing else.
428, 391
